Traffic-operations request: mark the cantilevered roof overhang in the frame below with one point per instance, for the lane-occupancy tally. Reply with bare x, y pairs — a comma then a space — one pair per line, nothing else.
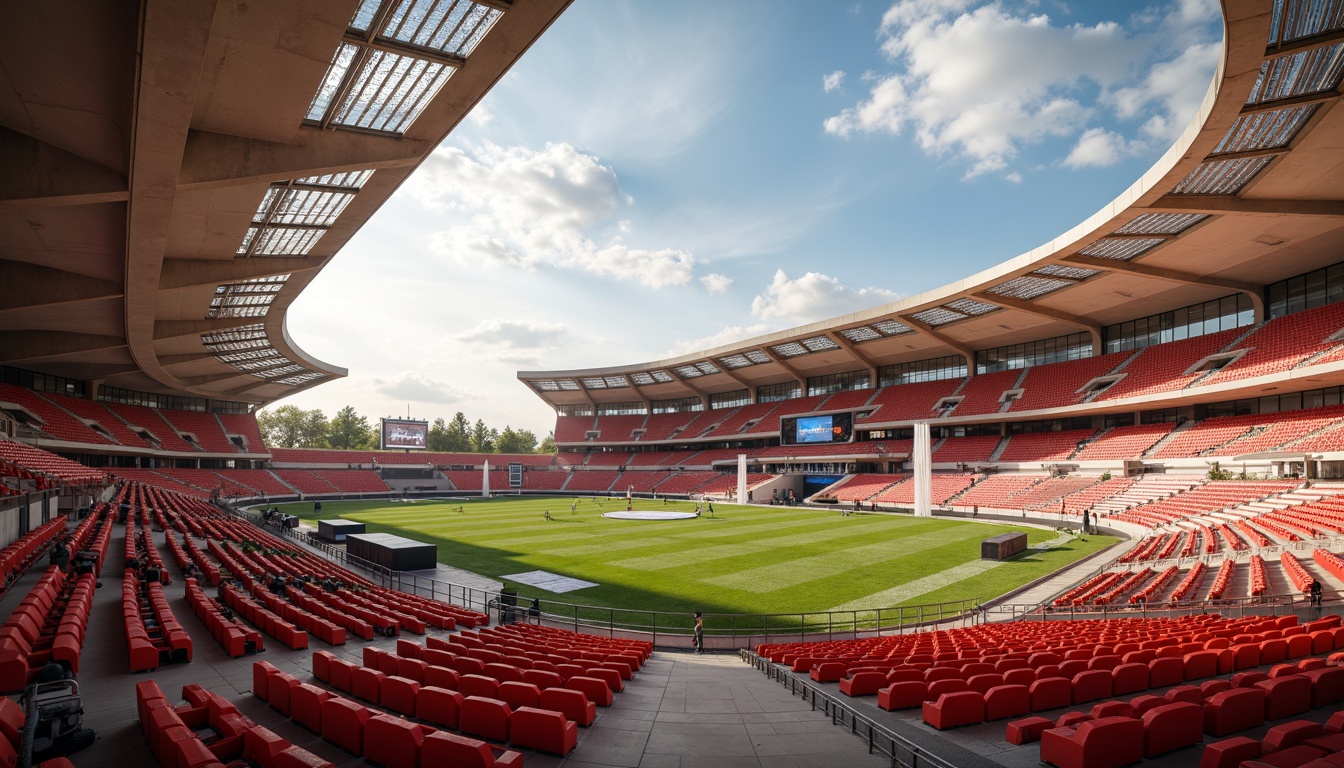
175, 174
1249, 194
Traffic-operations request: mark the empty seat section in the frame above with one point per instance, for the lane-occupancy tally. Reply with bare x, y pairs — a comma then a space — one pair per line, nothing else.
976, 448
984, 393
353, 480
1044, 446
1283, 342
1129, 442
205, 427
1057, 384
1161, 367
904, 402
56, 422
618, 429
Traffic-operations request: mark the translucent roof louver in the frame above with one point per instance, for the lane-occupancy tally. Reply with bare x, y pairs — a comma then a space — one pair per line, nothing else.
1062, 270
1296, 19
1221, 177
688, 371
1265, 130
862, 333
1029, 287
735, 361
258, 365
971, 307
757, 356
293, 215
247, 298
569, 385
789, 349
1161, 223
251, 354
820, 344
545, 385
351, 180
616, 382
271, 373
707, 367
663, 376
939, 316
891, 327
594, 383
1300, 74
641, 378
300, 379
242, 337
1121, 248
400, 53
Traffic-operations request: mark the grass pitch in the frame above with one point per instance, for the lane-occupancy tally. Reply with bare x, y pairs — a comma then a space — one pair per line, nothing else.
743, 560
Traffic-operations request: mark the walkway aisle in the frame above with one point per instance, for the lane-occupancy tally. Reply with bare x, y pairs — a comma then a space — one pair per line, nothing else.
680, 711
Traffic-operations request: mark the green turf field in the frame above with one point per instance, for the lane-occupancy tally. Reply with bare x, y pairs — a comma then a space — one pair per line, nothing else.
744, 560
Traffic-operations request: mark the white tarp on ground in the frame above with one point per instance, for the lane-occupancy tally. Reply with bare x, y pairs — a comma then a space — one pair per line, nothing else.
551, 582
646, 514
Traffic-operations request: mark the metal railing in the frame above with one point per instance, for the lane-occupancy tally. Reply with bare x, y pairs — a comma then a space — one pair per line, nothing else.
1237, 607
901, 750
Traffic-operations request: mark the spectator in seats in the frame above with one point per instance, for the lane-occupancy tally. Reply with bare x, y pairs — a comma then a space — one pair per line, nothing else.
1087, 521
189, 570
534, 610
1317, 590
152, 576
278, 585
699, 632
60, 556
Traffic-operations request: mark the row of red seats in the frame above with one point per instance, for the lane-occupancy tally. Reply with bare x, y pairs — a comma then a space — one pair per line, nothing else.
379, 737
324, 629
1120, 732
264, 619
1193, 579
48, 625
597, 681
1298, 575
175, 733
19, 554
151, 644
234, 637
1223, 579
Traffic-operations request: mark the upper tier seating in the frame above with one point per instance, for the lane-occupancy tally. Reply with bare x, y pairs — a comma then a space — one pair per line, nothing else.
649, 458
257, 479
618, 429
903, 402
608, 459
966, 449
205, 427
245, 425
1284, 342
206, 481
984, 393
663, 426
90, 410
1128, 442
152, 422
1331, 439
705, 421
853, 398
151, 477
737, 423
572, 429
1057, 384
1161, 367
56, 422
1044, 446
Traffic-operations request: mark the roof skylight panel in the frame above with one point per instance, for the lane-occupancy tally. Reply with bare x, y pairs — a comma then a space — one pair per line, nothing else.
545, 385
891, 327
688, 371
569, 385
707, 367
594, 383
1121, 248
1296, 19
789, 349
662, 376
1311, 71
1161, 223
1221, 177
735, 361
757, 356
271, 373
820, 344
616, 382
939, 316
971, 306
1028, 287
301, 378
1265, 130
454, 27
1063, 270
641, 378
280, 241
351, 180
861, 333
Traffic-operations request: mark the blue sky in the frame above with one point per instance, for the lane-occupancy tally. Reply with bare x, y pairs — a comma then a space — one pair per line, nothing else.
656, 178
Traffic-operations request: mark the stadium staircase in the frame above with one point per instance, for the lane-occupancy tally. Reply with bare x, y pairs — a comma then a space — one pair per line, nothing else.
1160, 444
1000, 448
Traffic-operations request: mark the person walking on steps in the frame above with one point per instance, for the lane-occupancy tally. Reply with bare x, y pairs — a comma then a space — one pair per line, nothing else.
1317, 590
699, 632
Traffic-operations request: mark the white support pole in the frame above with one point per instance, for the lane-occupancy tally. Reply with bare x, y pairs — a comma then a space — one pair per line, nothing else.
923, 470
741, 478
485, 480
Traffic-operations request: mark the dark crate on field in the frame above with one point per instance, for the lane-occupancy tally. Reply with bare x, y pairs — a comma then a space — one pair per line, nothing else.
1003, 546
393, 552
337, 529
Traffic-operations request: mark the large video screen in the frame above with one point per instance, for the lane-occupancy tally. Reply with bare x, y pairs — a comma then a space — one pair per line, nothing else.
405, 433
811, 430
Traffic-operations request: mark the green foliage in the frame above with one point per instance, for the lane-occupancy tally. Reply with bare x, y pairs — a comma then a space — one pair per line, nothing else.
483, 438
457, 436
520, 441
548, 444
289, 426
1216, 473
1105, 476
350, 430
745, 559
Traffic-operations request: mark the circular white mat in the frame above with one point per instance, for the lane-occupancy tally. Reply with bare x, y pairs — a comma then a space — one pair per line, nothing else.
645, 514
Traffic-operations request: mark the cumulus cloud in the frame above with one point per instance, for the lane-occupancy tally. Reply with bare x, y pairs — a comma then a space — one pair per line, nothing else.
981, 83
557, 208
728, 335
1097, 148
417, 389
514, 334
832, 81
814, 296
716, 283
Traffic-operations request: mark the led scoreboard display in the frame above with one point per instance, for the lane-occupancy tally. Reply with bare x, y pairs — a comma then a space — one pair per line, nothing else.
813, 430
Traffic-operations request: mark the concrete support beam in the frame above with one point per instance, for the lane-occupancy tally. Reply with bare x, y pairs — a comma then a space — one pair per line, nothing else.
38, 174
215, 160
861, 358
58, 286
926, 329
1092, 327
1246, 206
184, 273
1174, 276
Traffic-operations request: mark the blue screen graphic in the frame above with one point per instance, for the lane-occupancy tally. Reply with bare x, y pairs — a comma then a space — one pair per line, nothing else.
815, 429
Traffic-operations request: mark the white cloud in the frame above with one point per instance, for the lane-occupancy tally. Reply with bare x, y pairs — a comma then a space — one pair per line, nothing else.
832, 81
522, 208
481, 114
417, 389
981, 83
1097, 148
814, 296
716, 283
728, 335
514, 334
